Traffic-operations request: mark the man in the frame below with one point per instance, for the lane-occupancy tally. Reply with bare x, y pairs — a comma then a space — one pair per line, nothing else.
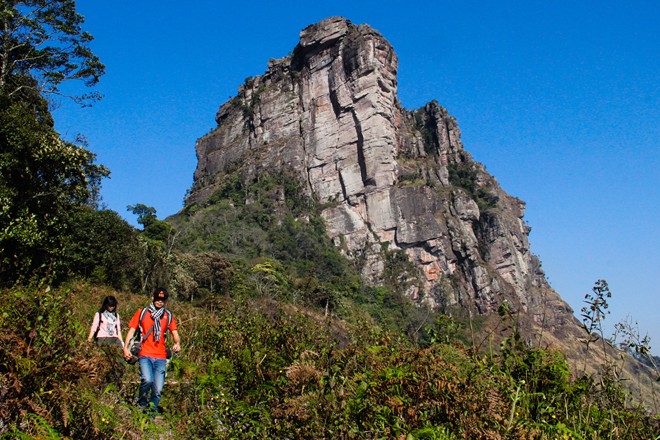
154, 323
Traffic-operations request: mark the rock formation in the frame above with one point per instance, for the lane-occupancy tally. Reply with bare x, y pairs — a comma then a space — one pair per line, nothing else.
389, 178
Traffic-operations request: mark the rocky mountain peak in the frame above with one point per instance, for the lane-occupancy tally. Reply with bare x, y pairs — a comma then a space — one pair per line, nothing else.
390, 180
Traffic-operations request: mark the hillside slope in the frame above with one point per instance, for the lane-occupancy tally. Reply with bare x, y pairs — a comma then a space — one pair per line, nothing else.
252, 367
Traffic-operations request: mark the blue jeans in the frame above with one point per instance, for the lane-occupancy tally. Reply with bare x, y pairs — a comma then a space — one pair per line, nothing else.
152, 378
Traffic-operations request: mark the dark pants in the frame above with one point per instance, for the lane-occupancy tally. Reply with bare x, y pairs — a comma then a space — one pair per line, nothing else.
109, 341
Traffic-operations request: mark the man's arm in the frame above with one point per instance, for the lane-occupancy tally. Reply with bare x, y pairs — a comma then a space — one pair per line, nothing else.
177, 341
129, 335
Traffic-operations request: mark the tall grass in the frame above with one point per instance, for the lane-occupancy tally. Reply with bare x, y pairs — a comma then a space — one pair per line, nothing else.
258, 368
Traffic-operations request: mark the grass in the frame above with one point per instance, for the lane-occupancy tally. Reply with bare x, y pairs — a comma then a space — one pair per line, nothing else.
259, 368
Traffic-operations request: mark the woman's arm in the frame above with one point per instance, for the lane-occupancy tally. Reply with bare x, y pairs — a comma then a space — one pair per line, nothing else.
119, 331
95, 325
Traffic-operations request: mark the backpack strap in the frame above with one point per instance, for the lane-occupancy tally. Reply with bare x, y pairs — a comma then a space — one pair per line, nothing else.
169, 320
143, 338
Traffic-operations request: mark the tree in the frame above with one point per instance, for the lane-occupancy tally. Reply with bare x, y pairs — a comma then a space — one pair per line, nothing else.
105, 248
154, 229
146, 215
200, 274
43, 178
155, 265
212, 271
42, 45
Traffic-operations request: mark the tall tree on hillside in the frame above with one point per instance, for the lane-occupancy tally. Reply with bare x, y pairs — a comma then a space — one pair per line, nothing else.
42, 45
43, 179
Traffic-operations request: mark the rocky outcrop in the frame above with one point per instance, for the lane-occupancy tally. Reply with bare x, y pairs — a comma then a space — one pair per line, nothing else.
390, 179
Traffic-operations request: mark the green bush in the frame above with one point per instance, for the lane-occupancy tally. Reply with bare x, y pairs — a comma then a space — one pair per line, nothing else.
104, 248
45, 375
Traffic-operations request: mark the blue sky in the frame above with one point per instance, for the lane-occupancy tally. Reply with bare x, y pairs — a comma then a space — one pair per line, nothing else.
559, 100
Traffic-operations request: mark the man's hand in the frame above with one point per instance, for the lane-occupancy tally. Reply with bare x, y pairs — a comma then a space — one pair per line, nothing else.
177, 341
127, 352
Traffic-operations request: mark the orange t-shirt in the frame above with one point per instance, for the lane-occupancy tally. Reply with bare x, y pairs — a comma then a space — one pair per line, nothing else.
151, 348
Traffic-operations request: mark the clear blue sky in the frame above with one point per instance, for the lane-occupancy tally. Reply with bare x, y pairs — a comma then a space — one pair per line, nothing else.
560, 100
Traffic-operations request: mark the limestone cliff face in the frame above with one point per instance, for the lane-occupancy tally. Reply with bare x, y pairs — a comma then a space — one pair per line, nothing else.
390, 178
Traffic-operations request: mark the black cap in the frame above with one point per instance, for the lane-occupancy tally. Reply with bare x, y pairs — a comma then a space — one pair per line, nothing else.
160, 295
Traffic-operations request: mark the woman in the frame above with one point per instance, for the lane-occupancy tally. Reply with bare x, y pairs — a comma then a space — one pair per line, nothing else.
106, 327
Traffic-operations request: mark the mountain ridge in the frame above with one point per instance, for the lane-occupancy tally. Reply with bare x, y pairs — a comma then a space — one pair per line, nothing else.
387, 180
330, 112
